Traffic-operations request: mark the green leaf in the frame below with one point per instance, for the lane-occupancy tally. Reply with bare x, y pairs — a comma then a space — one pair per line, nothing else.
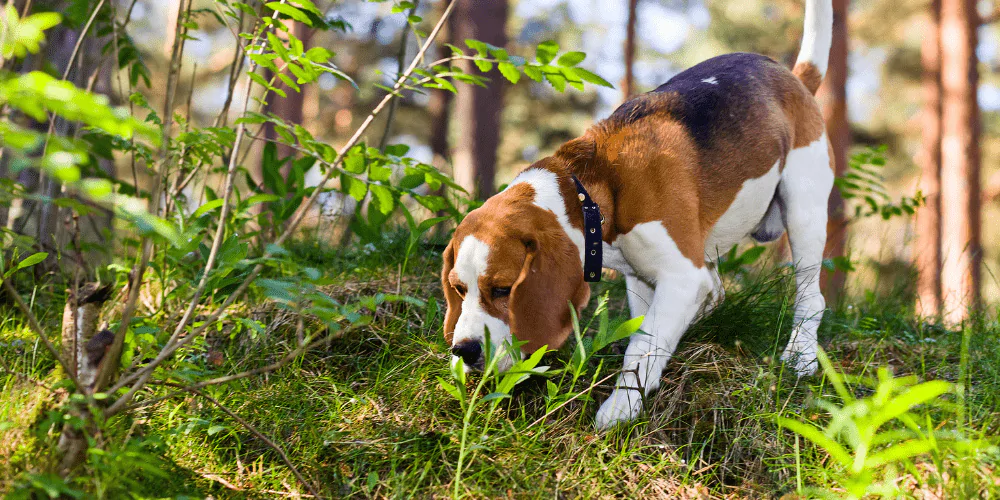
23, 36
260, 198
384, 198
429, 223
822, 440
899, 452
495, 395
624, 331
354, 187
290, 11
571, 58
483, 65
510, 72
557, 80
546, 51
589, 77
482, 50
204, 209
450, 389
29, 261
902, 403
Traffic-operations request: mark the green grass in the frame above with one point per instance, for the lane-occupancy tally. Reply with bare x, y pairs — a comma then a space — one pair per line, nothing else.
364, 416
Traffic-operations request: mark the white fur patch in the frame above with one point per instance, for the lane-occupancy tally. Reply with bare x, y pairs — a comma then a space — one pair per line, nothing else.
743, 215
711, 80
470, 265
817, 35
549, 197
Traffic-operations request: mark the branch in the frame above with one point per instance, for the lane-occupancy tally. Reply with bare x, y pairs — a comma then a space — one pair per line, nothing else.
253, 430
142, 375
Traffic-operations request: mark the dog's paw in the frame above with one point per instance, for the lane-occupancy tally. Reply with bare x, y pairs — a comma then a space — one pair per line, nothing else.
801, 356
624, 405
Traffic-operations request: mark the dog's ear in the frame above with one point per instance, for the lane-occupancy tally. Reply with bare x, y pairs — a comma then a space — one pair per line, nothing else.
450, 295
551, 278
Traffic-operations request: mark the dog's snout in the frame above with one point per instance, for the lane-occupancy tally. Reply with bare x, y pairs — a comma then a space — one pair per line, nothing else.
470, 351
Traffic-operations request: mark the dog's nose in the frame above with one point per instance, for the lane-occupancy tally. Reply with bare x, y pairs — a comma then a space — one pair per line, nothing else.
469, 350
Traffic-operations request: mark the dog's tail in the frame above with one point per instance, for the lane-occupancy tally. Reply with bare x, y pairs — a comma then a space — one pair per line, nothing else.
814, 55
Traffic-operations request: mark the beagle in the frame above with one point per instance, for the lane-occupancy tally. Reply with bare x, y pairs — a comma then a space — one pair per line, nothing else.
733, 147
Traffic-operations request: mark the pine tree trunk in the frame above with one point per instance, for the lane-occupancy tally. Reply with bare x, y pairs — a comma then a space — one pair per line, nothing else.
960, 185
628, 82
928, 238
832, 96
478, 109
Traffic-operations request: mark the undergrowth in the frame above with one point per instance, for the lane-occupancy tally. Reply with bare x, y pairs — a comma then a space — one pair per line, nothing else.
365, 416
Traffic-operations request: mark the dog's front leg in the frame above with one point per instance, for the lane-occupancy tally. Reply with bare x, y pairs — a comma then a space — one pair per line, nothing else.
677, 297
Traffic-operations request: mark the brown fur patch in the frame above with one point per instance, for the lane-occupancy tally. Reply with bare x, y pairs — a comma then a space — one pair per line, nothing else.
810, 76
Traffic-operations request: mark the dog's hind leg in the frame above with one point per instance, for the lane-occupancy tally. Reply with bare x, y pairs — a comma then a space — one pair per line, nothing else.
804, 188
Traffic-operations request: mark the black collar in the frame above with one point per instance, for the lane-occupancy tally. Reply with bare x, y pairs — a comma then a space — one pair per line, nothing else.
592, 236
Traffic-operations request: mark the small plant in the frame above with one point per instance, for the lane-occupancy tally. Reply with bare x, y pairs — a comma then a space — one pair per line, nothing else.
870, 439
587, 347
864, 182
505, 383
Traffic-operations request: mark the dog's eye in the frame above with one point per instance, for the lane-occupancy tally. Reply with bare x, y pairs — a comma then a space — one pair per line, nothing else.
500, 292
460, 289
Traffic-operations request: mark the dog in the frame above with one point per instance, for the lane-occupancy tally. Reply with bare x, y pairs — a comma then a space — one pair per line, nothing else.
735, 146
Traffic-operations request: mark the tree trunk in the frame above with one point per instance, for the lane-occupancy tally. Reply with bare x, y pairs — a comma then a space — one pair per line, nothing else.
85, 351
928, 238
437, 108
628, 82
832, 96
478, 109
960, 253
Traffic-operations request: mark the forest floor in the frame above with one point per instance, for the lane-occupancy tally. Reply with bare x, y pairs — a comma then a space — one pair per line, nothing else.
366, 416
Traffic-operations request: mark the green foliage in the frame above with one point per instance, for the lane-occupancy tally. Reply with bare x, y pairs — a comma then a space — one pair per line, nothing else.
42, 98
19, 37
587, 347
473, 404
735, 262
871, 439
564, 72
864, 182
27, 262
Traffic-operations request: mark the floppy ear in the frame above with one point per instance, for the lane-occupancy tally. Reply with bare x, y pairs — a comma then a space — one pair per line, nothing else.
550, 279
450, 295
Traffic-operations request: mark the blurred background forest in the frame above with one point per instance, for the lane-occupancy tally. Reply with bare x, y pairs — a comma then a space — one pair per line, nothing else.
884, 89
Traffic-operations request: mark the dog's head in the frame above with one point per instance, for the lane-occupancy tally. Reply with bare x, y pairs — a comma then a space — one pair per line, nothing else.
512, 269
